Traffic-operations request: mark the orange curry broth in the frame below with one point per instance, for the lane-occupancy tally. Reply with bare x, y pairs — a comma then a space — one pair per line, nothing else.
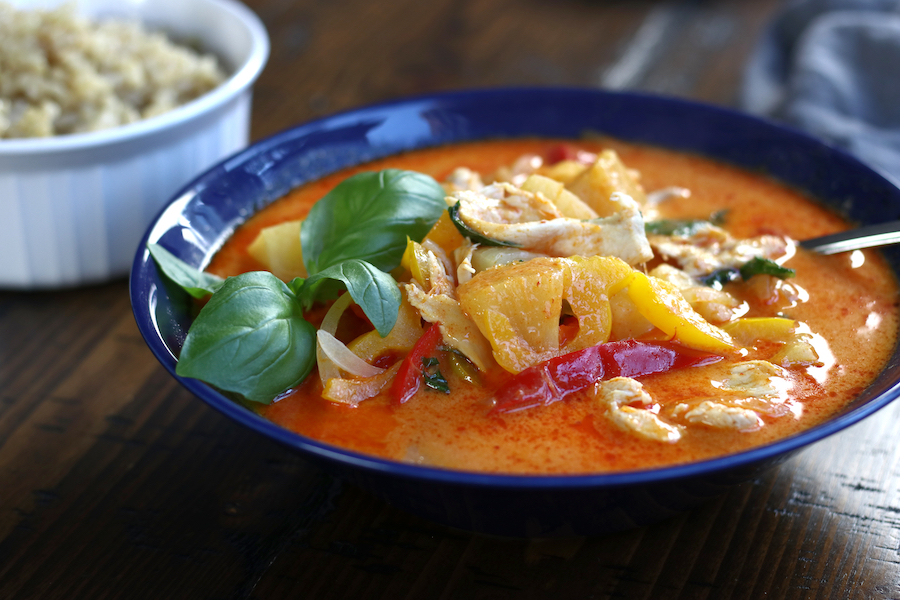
854, 307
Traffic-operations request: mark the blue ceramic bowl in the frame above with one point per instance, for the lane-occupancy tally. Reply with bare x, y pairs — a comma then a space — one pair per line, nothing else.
199, 219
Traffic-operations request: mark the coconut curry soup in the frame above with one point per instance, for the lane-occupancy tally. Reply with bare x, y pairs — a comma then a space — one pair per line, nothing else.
535, 306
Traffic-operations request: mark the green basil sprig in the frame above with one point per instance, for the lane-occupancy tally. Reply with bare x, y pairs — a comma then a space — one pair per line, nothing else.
374, 291
369, 216
764, 266
251, 337
754, 266
195, 282
684, 227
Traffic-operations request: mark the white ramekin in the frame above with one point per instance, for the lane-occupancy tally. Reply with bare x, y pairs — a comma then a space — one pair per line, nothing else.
73, 208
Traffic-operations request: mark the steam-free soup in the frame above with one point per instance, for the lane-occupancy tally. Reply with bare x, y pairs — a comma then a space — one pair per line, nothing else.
704, 355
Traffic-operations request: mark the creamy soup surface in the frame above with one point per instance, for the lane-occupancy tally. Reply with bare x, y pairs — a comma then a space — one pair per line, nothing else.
844, 307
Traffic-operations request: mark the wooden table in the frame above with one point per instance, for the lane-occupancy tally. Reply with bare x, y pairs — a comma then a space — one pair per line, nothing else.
117, 483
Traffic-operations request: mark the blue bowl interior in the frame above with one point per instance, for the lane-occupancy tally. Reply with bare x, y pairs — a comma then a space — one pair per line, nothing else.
199, 219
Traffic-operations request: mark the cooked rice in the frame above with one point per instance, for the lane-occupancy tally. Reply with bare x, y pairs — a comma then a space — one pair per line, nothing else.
60, 73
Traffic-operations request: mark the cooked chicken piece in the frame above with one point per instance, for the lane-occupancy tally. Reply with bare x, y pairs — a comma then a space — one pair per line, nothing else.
620, 391
434, 296
457, 329
798, 352
751, 387
516, 174
504, 203
620, 394
643, 423
758, 378
531, 222
721, 416
463, 178
712, 248
463, 258
661, 195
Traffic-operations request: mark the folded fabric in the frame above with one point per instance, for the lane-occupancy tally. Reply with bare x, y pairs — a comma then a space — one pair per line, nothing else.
832, 68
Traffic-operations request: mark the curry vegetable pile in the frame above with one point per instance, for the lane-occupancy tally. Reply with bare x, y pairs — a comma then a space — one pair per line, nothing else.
555, 270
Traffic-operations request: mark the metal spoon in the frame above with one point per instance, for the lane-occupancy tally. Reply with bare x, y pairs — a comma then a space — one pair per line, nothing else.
883, 234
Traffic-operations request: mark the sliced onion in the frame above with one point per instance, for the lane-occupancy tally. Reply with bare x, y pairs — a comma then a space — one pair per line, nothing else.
354, 391
334, 314
667, 193
343, 357
327, 368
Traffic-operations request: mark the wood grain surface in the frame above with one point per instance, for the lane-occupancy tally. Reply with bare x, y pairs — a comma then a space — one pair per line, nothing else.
115, 482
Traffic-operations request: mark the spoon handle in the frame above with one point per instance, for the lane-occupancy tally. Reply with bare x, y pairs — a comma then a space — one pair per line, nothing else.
882, 234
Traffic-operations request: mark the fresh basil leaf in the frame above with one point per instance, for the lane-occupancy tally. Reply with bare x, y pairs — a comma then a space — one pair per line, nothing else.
473, 235
684, 227
754, 266
250, 338
436, 382
195, 282
320, 289
432, 376
368, 217
720, 277
718, 217
764, 266
680, 227
373, 290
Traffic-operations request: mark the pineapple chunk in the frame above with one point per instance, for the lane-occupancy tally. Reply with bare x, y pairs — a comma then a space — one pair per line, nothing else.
278, 249
568, 203
599, 182
564, 171
517, 308
589, 285
749, 330
662, 304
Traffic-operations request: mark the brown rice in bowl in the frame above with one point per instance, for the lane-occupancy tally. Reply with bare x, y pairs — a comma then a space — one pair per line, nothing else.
63, 73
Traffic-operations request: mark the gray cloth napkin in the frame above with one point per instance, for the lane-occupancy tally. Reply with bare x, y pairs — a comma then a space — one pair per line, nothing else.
832, 68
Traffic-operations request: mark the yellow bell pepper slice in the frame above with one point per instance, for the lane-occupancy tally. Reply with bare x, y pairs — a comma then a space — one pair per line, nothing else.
445, 234
663, 305
415, 260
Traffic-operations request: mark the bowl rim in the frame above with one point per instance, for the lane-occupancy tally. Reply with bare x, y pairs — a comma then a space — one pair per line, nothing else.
143, 295
242, 78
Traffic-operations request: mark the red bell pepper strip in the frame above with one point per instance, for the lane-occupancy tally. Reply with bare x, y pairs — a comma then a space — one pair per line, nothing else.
554, 379
562, 152
409, 377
